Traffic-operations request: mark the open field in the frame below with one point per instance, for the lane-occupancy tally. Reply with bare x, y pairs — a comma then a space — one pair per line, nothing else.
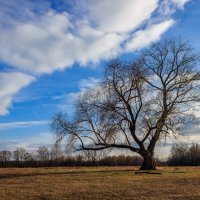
105, 183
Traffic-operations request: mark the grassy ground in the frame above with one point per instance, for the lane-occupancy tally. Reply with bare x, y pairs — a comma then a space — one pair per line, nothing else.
94, 183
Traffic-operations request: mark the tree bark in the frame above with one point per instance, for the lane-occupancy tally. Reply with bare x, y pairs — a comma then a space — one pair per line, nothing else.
148, 162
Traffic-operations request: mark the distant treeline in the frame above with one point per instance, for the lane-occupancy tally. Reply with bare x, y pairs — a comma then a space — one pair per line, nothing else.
184, 155
181, 155
55, 157
77, 161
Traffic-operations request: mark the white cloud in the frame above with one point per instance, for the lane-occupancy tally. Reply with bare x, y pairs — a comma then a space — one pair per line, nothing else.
24, 124
120, 16
48, 41
180, 3
38, 46
10, 84
47, 44
168, 7
37, 39
152, 34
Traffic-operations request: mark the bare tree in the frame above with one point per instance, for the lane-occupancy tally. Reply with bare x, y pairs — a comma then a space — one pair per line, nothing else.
19, 154
94, 156
91, 156
194, 154
43, 153
5, 156
137, 104
56, 153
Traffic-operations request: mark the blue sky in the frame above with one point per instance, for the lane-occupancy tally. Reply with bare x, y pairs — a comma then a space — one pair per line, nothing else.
53, 49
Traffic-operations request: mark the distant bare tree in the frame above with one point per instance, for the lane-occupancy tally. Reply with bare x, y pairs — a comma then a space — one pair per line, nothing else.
137, 104
19, 154
94, 156
43, 153
5, 156
28, 156
56, 153
194, 154
90, 156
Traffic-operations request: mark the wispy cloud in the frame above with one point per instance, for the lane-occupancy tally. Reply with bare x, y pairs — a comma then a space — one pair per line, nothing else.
29, 143
24, 124
8, 144
151, 34
67, 100
88, 83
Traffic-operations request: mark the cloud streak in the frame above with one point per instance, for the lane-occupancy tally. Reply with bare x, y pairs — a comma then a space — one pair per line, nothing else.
29, 143
25, 124
151, 34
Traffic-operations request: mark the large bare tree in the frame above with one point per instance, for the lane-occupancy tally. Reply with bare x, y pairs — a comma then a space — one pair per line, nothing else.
137, 104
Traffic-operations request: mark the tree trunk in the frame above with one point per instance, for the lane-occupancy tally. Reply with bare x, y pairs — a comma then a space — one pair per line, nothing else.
148, 162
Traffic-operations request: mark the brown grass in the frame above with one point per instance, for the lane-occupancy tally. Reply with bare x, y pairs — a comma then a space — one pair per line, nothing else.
93, 183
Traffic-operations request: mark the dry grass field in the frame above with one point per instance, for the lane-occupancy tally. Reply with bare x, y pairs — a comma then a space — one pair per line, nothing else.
94, 183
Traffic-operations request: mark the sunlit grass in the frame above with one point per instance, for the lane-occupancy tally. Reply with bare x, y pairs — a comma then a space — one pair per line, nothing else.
99, 183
